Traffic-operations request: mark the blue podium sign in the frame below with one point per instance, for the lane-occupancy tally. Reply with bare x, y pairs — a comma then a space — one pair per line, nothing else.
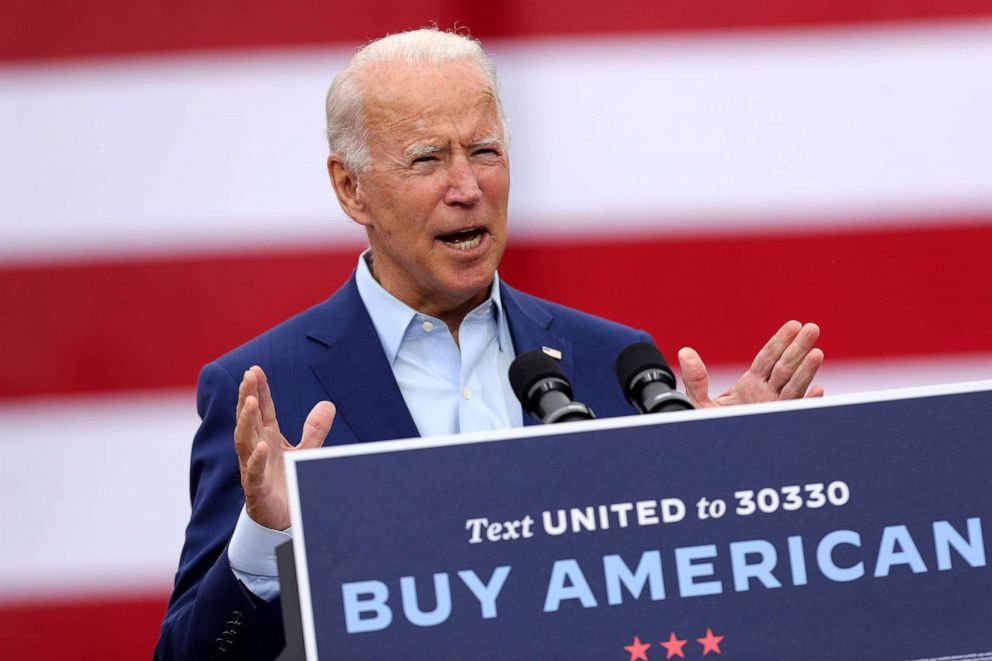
853, 527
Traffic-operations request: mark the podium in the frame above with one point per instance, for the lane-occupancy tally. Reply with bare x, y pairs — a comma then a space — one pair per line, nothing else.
848, 527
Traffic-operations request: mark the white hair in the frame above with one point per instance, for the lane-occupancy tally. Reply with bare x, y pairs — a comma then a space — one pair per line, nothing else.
346, 131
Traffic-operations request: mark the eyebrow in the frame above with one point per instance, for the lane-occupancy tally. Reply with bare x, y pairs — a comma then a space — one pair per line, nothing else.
488, 141
417, 151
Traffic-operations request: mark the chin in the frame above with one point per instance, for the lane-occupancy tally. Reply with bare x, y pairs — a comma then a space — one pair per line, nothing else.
467, 285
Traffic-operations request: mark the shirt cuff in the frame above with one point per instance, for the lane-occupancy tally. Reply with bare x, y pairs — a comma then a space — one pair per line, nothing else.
252, 554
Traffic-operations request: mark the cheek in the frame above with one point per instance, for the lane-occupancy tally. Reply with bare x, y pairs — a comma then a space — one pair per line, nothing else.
495, 180
410, 216
420, 203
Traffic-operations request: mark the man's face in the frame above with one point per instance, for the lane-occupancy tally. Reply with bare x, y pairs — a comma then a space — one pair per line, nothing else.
434, 202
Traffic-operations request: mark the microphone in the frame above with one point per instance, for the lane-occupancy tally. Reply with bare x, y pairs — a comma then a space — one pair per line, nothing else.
648, 381
543, 389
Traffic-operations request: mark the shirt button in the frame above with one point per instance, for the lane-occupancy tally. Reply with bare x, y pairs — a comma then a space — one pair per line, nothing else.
428, 327
467, 394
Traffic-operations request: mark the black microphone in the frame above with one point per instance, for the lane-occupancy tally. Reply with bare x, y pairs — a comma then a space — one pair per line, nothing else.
648, 381
543, 389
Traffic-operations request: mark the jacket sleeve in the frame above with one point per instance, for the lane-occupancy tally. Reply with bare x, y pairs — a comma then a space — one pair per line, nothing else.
211, 615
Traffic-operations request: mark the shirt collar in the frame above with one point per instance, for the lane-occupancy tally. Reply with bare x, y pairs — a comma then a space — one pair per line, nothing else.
392, 317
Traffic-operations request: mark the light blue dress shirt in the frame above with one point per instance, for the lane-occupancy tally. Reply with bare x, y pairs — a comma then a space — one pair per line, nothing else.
449, 388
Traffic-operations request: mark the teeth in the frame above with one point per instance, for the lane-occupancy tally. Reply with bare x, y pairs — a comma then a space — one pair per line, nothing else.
465, 240
467, 245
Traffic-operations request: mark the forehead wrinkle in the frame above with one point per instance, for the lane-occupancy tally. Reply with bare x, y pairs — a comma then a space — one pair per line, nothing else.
389, 110
426, 111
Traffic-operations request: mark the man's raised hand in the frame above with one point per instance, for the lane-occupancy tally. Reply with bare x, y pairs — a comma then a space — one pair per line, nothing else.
261, 446
783, 369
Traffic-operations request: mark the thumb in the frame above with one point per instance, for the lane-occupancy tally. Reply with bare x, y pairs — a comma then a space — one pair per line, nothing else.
694, 377
317, 425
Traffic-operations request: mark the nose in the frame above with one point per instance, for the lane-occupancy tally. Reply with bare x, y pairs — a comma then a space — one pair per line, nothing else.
463, 184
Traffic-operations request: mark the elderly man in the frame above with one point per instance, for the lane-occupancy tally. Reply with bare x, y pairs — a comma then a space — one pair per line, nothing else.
417, 342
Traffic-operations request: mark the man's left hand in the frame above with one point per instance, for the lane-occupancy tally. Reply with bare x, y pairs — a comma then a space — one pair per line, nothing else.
783, 369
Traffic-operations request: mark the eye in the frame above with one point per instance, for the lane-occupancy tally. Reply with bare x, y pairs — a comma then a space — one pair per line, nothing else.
425, 159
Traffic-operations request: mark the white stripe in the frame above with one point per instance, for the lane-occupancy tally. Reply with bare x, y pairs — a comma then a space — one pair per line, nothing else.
722, 132
97, 487
96, 493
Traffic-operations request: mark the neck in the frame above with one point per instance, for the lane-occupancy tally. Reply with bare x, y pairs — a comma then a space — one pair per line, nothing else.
451, 312
453, 318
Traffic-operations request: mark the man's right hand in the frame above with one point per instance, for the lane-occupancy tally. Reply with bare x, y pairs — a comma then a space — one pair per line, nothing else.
261, 446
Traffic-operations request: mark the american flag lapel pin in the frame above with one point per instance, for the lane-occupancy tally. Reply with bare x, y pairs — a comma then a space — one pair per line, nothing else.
554, 353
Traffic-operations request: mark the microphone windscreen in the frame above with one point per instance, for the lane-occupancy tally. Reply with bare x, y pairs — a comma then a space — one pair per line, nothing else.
531, 367
638, 357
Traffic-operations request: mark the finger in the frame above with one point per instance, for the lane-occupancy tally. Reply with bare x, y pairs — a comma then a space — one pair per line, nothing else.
246, 432
266, 404
773, 350
798, 384
793, 356
254, 477
245, 388
694, 377
317, 425
815, 391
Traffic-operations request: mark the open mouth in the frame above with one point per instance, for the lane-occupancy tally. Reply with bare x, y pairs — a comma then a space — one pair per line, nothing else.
465, 239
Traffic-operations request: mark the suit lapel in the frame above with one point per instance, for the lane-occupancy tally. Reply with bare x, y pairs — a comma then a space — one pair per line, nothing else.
355, 373
531, 330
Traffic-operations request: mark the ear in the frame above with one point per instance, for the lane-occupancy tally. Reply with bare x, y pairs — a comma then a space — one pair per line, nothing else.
347, 188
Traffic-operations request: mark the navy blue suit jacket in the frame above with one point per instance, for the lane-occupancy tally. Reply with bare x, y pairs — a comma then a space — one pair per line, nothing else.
331, 352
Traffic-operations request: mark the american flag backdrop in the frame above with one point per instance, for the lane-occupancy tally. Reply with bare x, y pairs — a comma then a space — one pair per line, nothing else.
704, 170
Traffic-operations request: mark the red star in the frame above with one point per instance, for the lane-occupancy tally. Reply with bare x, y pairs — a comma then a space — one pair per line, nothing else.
674, 646
638, 650
710, 643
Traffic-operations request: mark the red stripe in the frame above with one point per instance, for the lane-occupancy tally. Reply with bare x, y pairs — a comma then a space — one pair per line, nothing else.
111, 629
32, 30
874, 293
110, 326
